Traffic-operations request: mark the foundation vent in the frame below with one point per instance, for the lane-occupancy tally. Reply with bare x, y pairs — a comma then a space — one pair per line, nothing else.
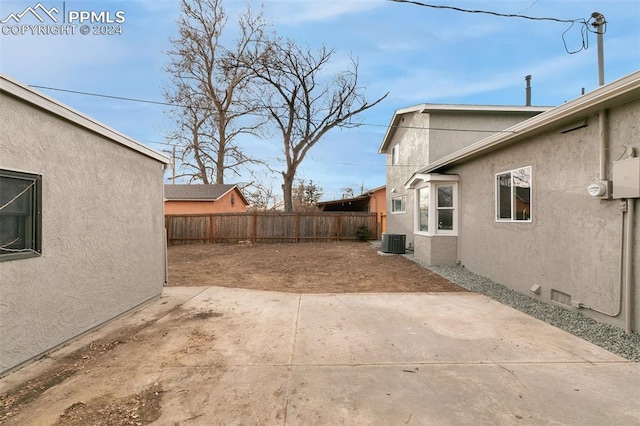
560, 297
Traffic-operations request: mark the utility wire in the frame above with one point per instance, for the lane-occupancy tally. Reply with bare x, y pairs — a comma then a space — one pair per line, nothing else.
486, 12
121, 98
586, 23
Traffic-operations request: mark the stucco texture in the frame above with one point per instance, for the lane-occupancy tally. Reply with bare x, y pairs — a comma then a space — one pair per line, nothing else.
102, 232
573, 243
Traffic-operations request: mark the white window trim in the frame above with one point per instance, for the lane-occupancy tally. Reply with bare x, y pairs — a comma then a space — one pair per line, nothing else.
495, 201
395, 154
404, 204
433, 181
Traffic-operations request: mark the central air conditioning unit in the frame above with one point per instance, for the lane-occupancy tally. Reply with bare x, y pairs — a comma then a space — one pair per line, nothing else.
393, 243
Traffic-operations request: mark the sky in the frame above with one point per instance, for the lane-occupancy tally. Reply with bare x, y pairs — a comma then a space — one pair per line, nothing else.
417, 54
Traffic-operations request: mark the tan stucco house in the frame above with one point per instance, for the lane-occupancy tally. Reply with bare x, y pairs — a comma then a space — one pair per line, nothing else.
423, 134
545, 207
203, 199
81, 224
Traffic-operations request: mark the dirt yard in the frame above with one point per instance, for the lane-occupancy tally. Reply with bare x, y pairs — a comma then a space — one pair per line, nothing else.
98, 376
343, 267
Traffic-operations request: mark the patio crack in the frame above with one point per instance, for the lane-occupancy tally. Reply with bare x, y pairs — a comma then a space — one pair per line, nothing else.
290, 364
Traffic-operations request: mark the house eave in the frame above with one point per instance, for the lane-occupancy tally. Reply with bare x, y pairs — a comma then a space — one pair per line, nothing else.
616, 93
41, 101
430, 108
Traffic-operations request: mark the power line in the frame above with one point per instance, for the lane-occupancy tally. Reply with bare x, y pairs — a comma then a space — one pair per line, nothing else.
105, 96
486, 12
121, 98
586, 23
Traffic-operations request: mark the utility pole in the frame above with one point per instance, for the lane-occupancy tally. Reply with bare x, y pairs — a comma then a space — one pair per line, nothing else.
173, 165
599, 23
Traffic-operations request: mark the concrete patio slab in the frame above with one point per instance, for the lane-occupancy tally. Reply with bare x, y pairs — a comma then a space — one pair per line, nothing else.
231, 356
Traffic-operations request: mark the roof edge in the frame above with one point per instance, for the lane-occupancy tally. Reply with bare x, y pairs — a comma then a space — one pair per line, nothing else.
427, 108
53, 106
586, 104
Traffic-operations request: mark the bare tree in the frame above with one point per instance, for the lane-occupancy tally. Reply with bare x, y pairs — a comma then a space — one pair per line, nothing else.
306, 196
351, 191
259, 191
214, 103
301, 103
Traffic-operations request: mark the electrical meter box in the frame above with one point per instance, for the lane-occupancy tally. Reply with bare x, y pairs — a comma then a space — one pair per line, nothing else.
626, 178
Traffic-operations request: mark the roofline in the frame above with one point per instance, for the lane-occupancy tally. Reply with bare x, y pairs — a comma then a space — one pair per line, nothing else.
35, 98
235, 186
427, 108
343, 200
370, 191
363, 196
612, 94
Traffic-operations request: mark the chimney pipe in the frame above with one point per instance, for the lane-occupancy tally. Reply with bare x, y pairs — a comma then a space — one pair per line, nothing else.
528, 101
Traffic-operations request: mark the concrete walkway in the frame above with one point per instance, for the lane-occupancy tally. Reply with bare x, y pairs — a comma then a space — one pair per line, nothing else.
381, 359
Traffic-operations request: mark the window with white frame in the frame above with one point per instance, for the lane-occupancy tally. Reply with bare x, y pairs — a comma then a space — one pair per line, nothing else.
423, 209
436, 207
513, 195
397, 205
395, 154
20, 218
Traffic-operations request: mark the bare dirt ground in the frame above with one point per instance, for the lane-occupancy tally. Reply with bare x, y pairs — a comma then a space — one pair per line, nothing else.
100, 377
343, 267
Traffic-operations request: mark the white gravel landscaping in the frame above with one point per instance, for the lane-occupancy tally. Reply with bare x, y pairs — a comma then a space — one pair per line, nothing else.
613, 339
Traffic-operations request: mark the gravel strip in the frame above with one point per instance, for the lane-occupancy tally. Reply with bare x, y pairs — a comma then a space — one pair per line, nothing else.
611, 338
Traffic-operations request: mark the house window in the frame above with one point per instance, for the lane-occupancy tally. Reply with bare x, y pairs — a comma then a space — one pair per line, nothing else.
395, 154
423, 209
513, 195
436, 205
20, 215
444, 207
397, 205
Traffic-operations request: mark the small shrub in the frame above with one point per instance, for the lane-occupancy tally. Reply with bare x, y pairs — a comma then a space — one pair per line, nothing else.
363, 233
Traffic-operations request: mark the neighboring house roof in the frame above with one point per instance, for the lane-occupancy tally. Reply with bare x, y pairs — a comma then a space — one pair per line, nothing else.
199, 192
41, 101
430, 108
364, 196
570, 115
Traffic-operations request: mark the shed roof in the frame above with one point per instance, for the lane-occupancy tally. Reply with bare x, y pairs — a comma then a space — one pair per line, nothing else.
616, 93
199, 192
26, 94
364, 196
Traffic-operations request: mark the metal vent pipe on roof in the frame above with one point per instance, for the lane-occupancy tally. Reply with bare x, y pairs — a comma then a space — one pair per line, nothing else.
528, 90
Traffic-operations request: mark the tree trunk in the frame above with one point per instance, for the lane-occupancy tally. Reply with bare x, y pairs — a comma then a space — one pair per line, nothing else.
220, 167
287, 191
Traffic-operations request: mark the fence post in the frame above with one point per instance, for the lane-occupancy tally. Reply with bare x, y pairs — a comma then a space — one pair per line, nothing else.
255, 227
297, 225
339, 224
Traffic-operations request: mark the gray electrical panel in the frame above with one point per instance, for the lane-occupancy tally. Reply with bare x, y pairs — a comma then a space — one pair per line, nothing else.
626, 178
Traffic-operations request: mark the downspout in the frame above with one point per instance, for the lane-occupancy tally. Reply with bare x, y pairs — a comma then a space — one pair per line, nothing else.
628, 267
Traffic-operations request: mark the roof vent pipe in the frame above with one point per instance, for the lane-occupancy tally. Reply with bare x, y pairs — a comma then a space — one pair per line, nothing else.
528, 100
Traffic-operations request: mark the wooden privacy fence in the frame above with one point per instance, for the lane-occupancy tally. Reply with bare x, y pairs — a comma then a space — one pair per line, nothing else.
267, 227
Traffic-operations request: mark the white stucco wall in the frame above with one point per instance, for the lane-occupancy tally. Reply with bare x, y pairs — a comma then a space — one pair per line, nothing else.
573, 243
102, 232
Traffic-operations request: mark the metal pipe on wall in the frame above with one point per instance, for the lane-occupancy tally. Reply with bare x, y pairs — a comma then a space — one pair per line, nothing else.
628, 267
